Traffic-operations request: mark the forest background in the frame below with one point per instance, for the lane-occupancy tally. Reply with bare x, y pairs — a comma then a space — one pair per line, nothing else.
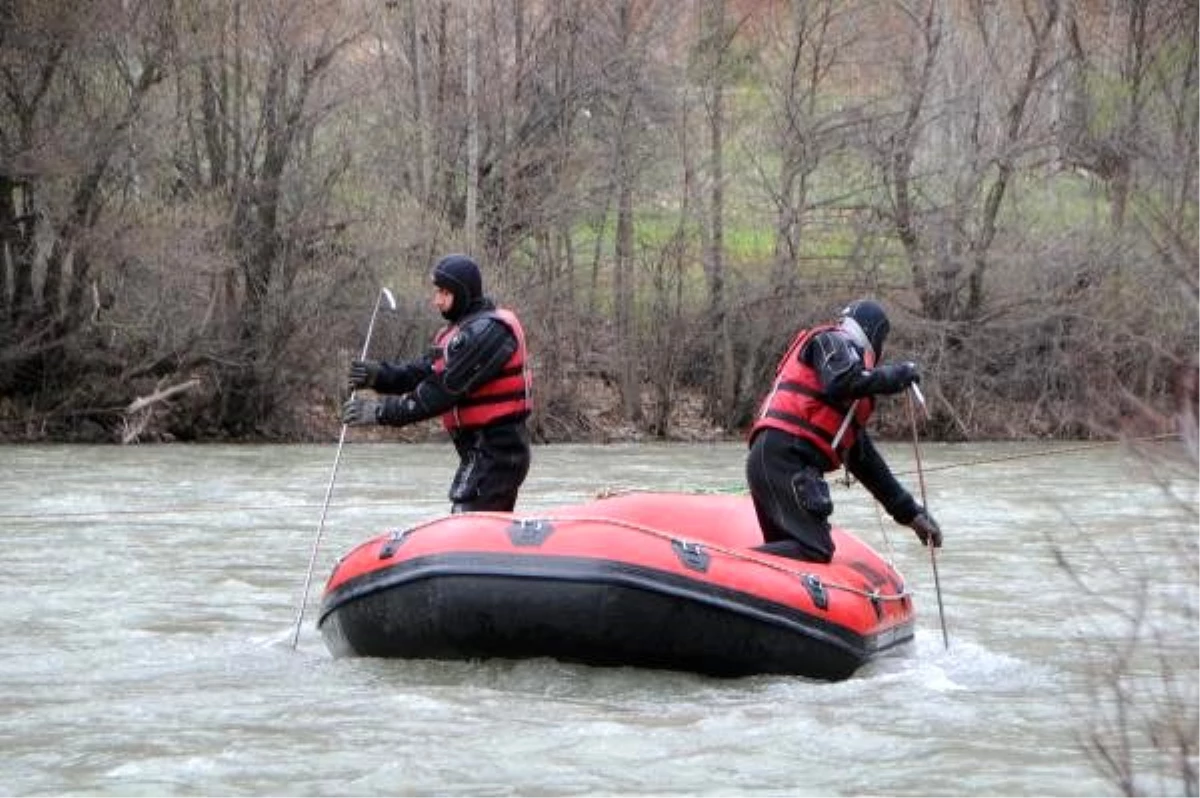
200, 201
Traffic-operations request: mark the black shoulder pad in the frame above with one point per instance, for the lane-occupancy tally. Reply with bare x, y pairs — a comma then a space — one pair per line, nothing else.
477, 352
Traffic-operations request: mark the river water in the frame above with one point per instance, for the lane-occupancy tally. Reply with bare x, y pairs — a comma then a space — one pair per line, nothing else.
150, 594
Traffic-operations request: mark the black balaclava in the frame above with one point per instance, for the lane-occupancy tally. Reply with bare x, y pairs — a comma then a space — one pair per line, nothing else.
871, 319
459, 275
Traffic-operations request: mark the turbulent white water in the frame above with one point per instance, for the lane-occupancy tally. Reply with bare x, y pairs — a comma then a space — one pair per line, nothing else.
149, 595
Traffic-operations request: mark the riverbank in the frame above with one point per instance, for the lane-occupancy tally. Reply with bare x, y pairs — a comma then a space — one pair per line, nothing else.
595, 416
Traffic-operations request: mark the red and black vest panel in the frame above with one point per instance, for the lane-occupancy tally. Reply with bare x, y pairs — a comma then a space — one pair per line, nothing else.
797, 404
506, 396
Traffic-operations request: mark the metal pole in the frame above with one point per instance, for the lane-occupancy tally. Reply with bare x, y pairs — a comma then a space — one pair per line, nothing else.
915, 397
386, 296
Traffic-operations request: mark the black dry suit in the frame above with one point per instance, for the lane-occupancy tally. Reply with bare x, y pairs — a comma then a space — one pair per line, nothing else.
494, 459
787, 461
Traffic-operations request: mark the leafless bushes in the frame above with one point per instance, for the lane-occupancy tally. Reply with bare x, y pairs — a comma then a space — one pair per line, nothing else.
213, 191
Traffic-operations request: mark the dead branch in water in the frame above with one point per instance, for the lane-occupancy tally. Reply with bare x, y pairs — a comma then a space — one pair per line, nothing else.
133, 427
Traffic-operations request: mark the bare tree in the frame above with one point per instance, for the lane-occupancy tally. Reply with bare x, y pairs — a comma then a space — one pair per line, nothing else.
76, 82
1113, 64
193, 190
947, 243
551, 160
1142, 729
807, 52
714, 37
255, 138
629, 110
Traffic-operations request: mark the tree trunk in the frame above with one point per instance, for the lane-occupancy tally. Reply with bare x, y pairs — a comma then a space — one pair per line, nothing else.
623, 267
723, 397
471, 224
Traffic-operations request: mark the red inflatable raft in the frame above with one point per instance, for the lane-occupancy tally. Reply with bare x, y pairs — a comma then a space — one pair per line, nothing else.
659, 580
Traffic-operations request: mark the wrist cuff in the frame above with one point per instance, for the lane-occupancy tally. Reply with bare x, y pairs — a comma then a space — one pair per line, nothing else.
906, 511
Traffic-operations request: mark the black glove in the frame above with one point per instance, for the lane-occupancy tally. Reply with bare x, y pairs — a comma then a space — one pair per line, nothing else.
898, 376
927, 529
360, 412
907, 373
363, 373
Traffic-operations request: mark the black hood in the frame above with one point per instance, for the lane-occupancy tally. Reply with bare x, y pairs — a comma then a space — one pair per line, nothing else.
871, 319
459, 275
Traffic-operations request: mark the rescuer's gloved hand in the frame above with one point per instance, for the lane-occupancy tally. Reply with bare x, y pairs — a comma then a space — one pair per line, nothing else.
927, 529
361, 412
363, 373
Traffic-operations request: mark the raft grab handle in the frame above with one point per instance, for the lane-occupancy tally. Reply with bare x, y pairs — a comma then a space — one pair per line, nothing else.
817, 591
692, 555
529, 531
394, 541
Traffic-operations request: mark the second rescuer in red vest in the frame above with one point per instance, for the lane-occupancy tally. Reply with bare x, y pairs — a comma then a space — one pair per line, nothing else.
476, 377
815, 419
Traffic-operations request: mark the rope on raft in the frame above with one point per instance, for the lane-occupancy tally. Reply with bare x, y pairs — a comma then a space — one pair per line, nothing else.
737, 554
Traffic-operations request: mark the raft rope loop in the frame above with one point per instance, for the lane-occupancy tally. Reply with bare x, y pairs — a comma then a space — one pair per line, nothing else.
887, 539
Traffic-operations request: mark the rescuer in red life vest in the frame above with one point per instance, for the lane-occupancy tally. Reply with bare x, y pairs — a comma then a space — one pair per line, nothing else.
830, 372
476, 377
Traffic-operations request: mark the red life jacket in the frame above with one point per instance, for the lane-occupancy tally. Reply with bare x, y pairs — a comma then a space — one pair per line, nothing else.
797, 403
508, 395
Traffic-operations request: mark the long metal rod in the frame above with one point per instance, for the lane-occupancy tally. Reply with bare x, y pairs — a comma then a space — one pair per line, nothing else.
915, 397
845, 425
386, 296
